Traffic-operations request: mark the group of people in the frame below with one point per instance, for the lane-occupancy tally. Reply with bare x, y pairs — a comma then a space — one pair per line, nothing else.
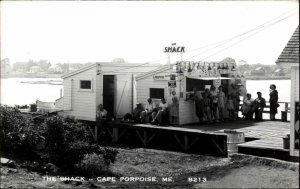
256, 106
154, 114
211, 104
209, 107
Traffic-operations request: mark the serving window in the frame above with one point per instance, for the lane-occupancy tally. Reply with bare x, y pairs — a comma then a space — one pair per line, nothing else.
197, 83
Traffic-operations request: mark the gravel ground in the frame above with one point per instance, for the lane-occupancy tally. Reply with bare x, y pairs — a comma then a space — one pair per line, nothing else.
182, 170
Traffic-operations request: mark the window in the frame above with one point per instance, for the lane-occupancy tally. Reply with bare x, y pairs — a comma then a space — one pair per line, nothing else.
156, 93
197, 83
86, 84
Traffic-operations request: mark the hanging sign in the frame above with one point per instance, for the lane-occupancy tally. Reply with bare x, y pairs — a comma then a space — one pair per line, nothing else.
172, 84
174, 49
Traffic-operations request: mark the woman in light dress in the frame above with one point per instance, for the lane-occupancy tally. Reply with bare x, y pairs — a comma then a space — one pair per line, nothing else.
221, 103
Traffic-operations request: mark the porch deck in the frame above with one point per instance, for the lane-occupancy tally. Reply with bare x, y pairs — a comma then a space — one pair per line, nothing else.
262, 138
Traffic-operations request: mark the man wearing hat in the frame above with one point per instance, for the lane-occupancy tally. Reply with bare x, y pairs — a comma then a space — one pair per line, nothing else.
259, 105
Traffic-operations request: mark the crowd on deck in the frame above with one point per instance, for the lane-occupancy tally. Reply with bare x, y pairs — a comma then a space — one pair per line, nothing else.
210, 106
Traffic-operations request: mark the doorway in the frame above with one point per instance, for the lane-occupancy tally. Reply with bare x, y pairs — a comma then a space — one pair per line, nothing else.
109, 93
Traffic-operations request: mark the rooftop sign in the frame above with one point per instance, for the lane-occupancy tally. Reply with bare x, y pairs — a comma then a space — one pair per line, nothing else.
174, 49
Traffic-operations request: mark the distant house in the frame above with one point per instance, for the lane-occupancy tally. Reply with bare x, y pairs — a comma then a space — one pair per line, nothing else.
35, 69
55, 69
258, 72
289, 58
5, 67
279, 72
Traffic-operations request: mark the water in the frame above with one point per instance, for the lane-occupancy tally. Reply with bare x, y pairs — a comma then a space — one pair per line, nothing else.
283, 87
13, 92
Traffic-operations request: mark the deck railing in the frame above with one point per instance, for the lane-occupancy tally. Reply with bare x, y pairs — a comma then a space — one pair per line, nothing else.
283, 111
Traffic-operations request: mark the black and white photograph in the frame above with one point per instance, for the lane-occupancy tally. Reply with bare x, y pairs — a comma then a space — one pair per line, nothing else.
149, 94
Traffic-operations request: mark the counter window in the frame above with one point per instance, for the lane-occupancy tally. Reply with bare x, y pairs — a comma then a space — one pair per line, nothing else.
156, 93
197, 83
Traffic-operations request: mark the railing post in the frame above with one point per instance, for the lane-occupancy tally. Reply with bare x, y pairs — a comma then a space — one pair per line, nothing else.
286, 106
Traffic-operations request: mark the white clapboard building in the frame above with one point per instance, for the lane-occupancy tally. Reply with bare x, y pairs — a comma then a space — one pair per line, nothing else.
182, 78
107, 83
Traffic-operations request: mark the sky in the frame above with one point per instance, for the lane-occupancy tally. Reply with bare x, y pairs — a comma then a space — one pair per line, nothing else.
99, 31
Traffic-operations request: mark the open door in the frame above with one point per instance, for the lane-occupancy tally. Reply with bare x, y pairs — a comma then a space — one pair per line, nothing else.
109, 93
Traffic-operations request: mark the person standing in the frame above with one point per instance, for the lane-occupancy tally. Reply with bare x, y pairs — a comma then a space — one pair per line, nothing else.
230, 108
248, 107
214, 103
259, 105
235, 96
221, 103
206, 106
174, 109
273, 101
198, 104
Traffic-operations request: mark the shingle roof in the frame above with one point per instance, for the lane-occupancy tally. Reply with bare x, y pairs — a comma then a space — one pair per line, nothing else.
290, 53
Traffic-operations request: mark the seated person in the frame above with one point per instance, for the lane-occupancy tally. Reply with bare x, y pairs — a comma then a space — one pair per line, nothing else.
247, 107
101, 116
259, 105
162, 111
136, 114
148, 113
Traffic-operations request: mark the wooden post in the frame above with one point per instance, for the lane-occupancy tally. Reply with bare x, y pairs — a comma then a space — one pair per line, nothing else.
96, 133
115, 135
145, 138
186, 143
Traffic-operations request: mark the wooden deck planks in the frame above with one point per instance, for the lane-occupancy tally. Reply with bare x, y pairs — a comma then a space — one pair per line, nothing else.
269, 134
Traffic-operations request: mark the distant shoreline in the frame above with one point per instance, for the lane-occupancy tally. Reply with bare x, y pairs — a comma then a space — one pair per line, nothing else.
59, 76
31, 76
268, 77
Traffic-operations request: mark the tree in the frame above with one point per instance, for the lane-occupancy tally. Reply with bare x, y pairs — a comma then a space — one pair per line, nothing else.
228, 60
119, 60
44, 64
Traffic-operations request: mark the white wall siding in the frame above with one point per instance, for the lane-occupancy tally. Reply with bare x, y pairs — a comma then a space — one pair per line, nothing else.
143, 89
123, 94
187, 113
296, 85
80, 104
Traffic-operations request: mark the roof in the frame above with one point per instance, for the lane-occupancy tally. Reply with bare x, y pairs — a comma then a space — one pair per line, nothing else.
290, 53
106, 64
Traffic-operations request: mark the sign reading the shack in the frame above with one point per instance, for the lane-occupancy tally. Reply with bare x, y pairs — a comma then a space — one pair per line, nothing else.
174, 49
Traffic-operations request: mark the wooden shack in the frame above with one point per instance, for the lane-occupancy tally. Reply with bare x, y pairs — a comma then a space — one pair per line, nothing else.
107, 83
289, 58
182, 77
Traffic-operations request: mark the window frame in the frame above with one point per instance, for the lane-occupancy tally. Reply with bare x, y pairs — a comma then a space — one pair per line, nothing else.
163, 89
86, 90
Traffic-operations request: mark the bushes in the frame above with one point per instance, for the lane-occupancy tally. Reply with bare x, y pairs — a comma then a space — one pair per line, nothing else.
67, 141
93, 164
18, 134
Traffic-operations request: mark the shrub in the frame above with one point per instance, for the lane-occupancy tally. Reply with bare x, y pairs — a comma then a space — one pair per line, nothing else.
110, 154
93, 164
19, 135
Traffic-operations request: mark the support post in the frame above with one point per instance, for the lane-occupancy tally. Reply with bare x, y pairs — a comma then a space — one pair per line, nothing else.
115, 135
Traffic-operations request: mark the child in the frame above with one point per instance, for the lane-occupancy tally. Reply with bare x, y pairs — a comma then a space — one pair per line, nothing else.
230, 108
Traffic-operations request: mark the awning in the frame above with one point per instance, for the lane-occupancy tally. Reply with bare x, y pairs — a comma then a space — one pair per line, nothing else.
208, 78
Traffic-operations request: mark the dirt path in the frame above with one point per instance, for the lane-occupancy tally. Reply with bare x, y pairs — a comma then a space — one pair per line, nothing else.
182, 170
